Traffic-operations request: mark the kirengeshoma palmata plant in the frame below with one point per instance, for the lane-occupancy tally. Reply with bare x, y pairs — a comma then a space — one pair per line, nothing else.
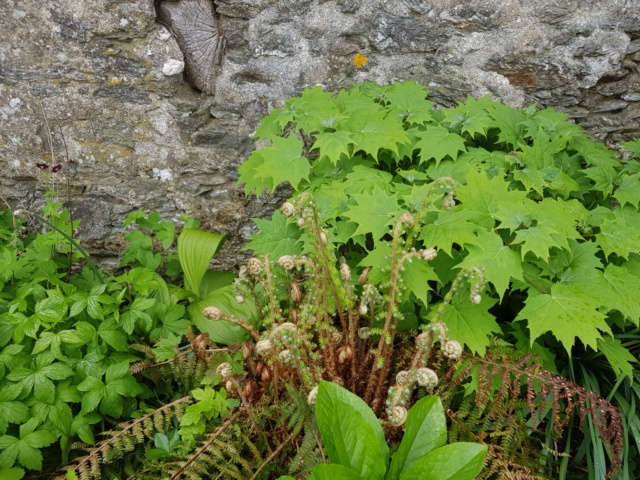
321, 323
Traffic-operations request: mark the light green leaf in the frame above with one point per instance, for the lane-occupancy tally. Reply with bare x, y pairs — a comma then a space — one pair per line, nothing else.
278, 236
567, 312
458, 461
499, 262
333, 145
196, 248
472, 325
629, 190
416, 276
351, 432
425, 429
449, 228
620, 358
437, 142
373, 213
11, 473
333, 472
283, 162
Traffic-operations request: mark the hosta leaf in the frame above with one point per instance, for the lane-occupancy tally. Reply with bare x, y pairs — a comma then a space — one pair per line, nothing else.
567, 312
425, 429
351, 432
437, 142
196, 248
498, 261
458, 461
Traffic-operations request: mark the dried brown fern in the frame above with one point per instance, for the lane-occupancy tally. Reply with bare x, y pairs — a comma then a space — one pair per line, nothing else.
511, 389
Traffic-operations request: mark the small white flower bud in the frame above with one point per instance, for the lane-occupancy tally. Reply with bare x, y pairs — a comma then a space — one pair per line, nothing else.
363, 309
475, 299
301, 222
287, 209
323, 237
240, 298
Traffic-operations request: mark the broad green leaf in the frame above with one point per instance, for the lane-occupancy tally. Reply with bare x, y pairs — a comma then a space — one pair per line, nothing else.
196, 248
351, 432
371, 132
633, 147
11, 411
334, 472
437, 142
458, 461
333, 145
620, 358
567, 312
425, 429
449, 228
619, 234
223, 331
617, 288
409, 101
487, 196
415, 276
278, 236
471, 325
498, 261
629, 190
283, 162
541, 154
373, 212
11, 473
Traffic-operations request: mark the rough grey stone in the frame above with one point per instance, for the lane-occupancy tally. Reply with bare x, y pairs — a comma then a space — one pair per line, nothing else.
138, 138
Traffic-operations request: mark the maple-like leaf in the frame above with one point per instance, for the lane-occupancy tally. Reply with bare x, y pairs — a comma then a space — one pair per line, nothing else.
437, 142
633, 147
531, 179
409, 101
333, 145
373, 212
278, 236
541, 154
629, 190
415, 277
487, 196
371, 132
509, 122
567, 312
618, 288
471, 324
283, 162
619, 234
449, 228
499, 262
472, 122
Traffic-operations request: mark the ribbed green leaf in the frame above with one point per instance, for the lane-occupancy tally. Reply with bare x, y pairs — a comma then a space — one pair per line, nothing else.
196, 248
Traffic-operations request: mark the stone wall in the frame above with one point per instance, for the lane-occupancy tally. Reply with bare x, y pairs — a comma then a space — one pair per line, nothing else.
95, 85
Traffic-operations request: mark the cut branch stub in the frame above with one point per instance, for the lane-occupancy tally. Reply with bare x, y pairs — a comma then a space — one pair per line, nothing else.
195, 25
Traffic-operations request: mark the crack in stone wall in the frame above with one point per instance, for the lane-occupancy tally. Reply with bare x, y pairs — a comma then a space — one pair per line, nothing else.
109, 78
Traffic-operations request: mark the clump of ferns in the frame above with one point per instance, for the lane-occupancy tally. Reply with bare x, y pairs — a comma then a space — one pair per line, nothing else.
320, 323
512, 397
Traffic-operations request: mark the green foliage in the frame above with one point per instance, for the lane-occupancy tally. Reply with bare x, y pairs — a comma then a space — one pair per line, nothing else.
357, 449
550, 216
68, 341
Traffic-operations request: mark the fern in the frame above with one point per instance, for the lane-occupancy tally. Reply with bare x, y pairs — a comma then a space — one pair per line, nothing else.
512, 396
124, 440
